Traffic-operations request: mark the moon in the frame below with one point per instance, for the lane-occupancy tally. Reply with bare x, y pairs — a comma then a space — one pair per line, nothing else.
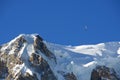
86, 27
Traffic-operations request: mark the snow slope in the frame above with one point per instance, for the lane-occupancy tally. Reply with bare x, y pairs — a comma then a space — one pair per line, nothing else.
81, 60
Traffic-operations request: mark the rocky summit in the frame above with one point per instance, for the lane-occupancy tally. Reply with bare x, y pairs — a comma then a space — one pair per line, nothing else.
29, 57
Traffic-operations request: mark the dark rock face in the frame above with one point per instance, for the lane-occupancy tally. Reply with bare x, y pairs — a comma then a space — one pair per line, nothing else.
0, 47
18, 44
35, 59
3, 69
27, 76
104, 73
48, 75
70, 76
42, 67
41, 39
39, 45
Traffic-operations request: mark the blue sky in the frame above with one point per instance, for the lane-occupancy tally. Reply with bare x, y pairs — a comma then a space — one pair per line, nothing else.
61, 21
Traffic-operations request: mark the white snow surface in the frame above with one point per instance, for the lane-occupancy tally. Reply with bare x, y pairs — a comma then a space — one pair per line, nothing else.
88, 49
80, 60
118, 51
89, 64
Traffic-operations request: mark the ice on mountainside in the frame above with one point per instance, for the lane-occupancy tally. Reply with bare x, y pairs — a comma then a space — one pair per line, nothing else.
88, 49
29, 57
81, 60
118, 51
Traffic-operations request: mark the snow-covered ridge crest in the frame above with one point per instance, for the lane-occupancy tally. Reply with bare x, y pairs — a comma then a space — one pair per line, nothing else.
28, 37
88, 49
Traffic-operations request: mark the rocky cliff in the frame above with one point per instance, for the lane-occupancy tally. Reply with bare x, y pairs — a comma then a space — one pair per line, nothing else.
26, 58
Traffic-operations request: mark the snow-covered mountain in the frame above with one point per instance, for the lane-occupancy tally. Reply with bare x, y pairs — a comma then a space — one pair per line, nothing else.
29, 57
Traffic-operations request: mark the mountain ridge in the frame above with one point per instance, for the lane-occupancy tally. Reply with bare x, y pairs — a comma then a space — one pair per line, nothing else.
29, 57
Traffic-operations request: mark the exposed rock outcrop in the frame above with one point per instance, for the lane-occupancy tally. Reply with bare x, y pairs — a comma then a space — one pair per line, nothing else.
104, 73
12, 64
39, 45
3, 69
27, 76
42, 66
70, 76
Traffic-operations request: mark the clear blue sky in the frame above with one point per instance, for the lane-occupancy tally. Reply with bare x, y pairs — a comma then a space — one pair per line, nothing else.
61, 21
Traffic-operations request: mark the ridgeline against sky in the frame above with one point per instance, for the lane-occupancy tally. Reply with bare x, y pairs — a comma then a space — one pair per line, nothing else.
68, 22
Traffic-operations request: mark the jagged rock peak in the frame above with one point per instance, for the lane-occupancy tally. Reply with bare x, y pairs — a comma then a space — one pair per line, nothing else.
26, 58
28, 37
